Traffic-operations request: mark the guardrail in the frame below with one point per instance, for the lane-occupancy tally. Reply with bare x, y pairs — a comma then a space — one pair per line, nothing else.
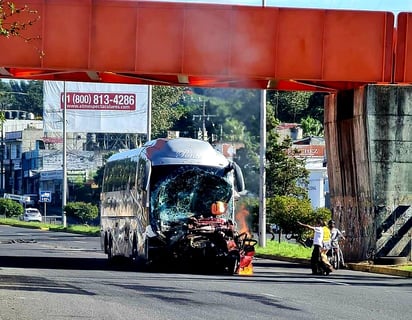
52, 219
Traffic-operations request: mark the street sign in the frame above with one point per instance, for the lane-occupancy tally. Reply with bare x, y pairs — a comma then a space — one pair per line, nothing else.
45, 196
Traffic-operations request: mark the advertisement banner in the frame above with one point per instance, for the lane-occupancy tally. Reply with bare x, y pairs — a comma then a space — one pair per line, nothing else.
95, 107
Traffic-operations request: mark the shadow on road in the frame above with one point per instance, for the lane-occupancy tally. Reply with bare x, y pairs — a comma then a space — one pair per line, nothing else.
64, 263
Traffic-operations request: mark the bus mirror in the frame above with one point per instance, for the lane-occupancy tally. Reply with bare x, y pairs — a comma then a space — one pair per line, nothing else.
240, 182
146, 180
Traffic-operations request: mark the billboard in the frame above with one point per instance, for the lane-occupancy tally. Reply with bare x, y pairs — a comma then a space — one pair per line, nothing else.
95, 107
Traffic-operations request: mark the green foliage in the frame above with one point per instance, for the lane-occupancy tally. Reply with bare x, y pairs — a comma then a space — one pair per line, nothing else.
85, 212
289, 106
22, 95
10, 208
321, 213
286, 211
316, 106
15, 20
234, 130
286, 172
311, 127
248, 159
165, 110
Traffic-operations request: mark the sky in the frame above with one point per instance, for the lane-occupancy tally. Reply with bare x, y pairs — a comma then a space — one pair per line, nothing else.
394, 6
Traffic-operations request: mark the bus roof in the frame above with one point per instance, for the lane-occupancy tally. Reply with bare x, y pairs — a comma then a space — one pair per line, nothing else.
176, 151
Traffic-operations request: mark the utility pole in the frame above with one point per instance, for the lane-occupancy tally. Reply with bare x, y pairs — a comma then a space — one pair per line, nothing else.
64, 164
262, 170
204, 117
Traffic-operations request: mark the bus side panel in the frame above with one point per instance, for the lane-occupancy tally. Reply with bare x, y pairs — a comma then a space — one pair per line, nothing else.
123, 213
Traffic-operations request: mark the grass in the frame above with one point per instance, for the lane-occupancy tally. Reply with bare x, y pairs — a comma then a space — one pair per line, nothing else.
406, 267
80, 229
284, 249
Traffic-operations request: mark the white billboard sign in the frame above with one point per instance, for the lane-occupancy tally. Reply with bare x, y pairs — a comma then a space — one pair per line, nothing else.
95, 107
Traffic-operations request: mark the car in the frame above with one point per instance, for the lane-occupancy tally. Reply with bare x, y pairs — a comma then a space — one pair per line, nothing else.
32, 214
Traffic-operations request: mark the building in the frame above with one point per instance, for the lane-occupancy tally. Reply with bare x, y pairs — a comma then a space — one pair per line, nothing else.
18, 136
31, 162
313, 150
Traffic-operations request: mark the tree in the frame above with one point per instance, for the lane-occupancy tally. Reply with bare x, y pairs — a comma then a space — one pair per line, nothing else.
165, 109
286, 172
32, 101
248, 159
23, 95
286, 211
234, 130
311, 127
10, 26
316, 106
289, 106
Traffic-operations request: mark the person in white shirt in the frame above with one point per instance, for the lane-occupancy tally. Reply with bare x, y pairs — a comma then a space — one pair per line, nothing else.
317, 244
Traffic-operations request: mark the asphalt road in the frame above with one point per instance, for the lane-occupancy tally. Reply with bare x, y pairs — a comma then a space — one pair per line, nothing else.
56, 276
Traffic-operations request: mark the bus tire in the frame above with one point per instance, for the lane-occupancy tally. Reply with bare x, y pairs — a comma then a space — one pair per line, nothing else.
134, 256
110, 255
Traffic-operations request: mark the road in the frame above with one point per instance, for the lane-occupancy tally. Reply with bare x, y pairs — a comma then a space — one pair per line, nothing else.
56, 276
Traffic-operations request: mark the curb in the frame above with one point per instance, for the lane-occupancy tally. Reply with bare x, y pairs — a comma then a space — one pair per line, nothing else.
286, 259
389, 270
361, 266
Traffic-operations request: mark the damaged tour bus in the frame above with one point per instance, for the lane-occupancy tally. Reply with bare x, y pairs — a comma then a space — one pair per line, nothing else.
172, 201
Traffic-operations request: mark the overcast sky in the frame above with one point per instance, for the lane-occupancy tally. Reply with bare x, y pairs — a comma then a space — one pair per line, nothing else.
395, 6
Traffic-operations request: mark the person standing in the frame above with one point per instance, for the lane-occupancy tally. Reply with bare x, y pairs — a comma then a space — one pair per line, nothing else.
335, 235
317, 243
326, 239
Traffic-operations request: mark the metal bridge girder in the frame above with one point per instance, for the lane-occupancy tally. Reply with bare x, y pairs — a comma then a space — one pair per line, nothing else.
202, 45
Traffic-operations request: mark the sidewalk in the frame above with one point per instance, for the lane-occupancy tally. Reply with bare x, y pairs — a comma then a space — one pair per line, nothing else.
360, 266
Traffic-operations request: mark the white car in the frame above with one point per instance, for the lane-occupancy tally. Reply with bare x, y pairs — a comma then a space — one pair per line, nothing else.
32, 214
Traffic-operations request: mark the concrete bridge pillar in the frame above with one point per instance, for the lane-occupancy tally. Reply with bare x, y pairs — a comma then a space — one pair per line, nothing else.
369, 149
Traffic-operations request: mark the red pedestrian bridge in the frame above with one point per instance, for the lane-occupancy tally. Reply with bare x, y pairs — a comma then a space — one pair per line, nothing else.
163, 43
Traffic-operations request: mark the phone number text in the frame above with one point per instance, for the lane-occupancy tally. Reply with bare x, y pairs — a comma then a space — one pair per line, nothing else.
99, 101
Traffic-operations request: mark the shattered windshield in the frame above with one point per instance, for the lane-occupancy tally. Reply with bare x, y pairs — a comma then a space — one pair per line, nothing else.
181, 192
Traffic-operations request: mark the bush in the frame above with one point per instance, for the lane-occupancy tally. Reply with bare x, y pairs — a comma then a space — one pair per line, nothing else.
321, 213
84, 212
287, 211
10, 208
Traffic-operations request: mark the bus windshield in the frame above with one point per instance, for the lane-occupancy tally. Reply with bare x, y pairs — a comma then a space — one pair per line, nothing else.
187, 191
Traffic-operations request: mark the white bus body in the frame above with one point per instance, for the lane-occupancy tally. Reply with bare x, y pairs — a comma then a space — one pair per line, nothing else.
156, 204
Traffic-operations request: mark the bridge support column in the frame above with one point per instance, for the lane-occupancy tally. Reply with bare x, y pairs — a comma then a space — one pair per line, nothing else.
369, 148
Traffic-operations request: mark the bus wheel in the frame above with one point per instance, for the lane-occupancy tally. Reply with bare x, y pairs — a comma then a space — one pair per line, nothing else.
110, 249
232, 263
134, 255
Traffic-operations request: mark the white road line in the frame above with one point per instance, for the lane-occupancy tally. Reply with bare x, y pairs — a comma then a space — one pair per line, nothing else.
331, 281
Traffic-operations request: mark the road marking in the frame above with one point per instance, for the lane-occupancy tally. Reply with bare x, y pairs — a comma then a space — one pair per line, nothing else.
331, 281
